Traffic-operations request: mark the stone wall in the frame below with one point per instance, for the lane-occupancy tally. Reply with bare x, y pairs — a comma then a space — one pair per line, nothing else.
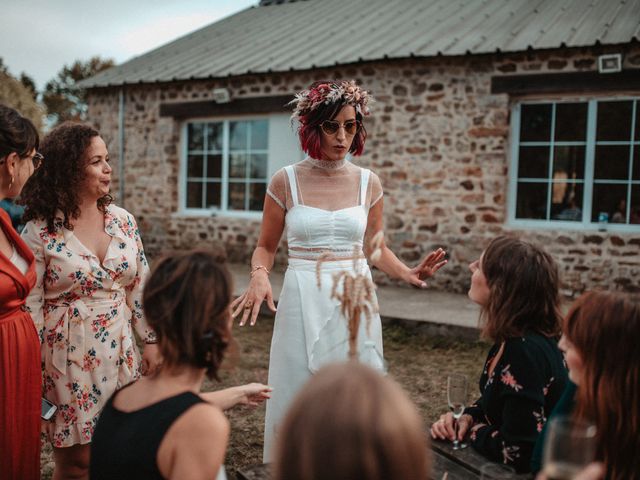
438, 139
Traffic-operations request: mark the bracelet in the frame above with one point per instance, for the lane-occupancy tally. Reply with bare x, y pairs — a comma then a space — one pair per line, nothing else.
256, 268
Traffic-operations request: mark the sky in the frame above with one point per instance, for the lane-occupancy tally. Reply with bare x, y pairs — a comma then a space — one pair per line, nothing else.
39, 37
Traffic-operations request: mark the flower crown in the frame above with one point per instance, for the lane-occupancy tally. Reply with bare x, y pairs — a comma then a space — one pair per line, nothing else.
346, 92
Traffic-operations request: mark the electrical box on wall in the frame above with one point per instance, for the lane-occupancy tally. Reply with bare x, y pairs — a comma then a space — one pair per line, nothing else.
221, 95
610, 63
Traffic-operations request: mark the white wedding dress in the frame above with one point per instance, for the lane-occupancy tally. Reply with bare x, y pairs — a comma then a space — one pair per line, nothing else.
310, 330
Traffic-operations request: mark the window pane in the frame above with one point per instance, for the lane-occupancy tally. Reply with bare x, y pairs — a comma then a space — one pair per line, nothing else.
637, 130
236, 196
256, 196
258, 166
636, 162
195, 134
535, 123
571, 122
567, 202
195, 164
259, 134
238, 135
634, 216
237, 165
214, 136
533, 162
612, 162
532, 200
614, 121
194, 194
568, 162
214, 166
213, 194
609, 199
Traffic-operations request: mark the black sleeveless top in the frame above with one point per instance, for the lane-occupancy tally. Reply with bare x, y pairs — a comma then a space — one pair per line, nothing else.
125, 444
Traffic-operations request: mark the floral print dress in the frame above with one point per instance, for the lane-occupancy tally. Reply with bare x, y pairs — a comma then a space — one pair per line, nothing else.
516, 399
85, 312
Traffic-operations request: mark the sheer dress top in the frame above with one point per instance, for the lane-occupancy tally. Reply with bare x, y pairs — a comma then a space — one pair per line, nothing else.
327, 205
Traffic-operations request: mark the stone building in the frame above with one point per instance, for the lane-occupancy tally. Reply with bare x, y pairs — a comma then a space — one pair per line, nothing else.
491, 117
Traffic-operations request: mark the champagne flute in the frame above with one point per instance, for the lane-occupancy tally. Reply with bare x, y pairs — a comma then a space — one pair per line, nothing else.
569, 447
457, 398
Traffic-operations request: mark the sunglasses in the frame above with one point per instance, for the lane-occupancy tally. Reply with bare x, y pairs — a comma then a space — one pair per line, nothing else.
331, 127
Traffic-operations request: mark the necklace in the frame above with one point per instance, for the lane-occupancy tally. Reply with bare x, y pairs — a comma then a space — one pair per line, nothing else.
327, 164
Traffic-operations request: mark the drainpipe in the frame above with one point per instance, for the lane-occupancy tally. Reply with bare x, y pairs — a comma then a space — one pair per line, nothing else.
121, 146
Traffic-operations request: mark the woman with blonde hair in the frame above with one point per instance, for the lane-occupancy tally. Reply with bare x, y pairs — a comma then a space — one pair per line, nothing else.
351, 422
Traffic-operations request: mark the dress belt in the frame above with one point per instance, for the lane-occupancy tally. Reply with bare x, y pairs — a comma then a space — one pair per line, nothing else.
66, 338
10, 313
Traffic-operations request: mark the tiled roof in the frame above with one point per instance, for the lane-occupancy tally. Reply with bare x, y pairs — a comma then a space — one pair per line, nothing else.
285, 35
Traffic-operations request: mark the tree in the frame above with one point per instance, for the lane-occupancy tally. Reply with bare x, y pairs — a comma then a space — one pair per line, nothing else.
62, 96
14, 94
30, 85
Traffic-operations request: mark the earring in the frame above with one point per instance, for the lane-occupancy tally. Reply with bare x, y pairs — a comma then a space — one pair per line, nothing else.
11, 182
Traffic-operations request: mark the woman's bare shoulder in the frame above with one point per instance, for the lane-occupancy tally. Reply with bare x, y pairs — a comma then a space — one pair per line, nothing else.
195, 445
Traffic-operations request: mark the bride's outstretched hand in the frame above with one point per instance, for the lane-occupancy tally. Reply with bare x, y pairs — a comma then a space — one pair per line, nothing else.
427, 268
250, 301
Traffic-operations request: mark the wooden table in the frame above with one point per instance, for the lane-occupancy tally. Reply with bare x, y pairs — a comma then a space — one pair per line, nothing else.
457, 464
467, 458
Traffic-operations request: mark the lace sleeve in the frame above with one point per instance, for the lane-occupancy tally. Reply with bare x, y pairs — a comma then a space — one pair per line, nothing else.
277, 188
374, 192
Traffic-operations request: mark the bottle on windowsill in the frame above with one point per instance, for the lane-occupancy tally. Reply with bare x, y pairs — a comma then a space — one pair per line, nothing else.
603, 220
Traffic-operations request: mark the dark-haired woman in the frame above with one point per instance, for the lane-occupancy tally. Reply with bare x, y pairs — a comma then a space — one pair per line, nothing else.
160, 426
516, 284
606, 386
19, 345
90, 266
330, 207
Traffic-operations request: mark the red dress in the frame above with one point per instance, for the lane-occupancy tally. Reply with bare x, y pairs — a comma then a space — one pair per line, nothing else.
20, 376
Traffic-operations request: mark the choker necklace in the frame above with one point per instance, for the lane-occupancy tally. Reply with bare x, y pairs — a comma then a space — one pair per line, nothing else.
327, 164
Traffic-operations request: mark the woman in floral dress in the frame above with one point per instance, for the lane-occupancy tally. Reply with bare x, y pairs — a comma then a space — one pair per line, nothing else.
86, 303
516, 284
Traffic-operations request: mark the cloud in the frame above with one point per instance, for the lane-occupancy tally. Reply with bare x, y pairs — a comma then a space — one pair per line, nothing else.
39, 37
154, 33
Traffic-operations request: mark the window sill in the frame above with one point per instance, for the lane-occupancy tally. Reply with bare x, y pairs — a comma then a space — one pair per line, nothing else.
572, 226
217, 213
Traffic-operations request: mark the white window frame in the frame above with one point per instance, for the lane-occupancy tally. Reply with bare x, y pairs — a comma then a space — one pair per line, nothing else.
590, 144
183, 210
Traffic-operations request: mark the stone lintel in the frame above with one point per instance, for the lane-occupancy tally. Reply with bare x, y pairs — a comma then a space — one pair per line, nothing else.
209, 108
573, 82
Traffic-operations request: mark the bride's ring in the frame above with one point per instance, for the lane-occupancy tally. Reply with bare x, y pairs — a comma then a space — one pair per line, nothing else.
248, 305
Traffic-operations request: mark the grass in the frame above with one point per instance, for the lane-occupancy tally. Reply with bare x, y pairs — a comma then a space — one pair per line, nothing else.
418, 362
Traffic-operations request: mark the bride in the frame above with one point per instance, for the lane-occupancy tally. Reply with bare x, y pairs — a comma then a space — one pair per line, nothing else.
327, 205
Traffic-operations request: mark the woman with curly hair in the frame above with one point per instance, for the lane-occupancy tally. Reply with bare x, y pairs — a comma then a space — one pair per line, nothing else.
330, 208
516, 285
19, 345
87, 299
